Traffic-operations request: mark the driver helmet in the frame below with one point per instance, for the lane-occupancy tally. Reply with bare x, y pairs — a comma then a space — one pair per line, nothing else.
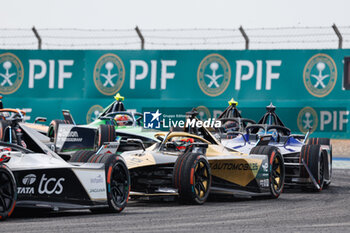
231, 126
184, 141
122, 119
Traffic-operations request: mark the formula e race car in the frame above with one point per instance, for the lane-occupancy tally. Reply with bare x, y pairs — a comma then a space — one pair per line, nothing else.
308, 165
68, 137
33, 176
190, 163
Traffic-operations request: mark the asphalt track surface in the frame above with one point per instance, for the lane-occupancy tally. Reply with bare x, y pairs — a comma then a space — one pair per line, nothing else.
294, 211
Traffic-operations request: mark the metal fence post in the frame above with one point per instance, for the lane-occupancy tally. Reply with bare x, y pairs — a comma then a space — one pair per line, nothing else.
245, 36
340, 37
37, 37
141, 37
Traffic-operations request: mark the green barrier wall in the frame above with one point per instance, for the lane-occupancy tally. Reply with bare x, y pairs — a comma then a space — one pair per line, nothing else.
46, 81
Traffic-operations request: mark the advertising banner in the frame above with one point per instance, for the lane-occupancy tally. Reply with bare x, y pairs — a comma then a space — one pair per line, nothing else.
306, 85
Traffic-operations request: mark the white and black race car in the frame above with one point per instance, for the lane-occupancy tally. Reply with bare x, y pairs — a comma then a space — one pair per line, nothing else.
34, 176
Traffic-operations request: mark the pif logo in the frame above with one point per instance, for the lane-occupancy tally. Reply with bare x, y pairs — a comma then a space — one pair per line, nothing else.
307, 119
93, 113
203, 113
214, 75
11, 73
109, 74
320, 75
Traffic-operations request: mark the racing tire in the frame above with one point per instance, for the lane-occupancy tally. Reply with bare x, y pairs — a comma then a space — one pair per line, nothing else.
276, 168
53, 129
81, 156
324, 141
106, 133
8, 193
319, 141
315, 160
117, 182
192, 178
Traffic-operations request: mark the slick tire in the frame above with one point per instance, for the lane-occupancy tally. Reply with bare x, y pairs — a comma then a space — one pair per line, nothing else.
53, 128
314, 158
117, 182
106, 133
81, 156
276, 168
192, 178
327, 142
8, 192
319, 141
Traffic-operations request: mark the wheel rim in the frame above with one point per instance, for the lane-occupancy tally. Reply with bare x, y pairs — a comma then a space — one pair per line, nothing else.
119, 184
7, 195
201, 179
277, 174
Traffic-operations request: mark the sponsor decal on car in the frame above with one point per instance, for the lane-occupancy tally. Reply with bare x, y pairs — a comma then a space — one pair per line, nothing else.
100, 190
234, 166
97, 180
264, 183
68, 135
27, 180
50, 185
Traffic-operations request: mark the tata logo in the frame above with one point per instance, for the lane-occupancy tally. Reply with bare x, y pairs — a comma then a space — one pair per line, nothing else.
152, 119
51, 185
320, 75
109, 74
93, 113
11, 73
214, 75
29, 179
307, 119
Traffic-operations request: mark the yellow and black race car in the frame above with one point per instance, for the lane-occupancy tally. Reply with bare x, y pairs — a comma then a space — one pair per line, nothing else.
191, 163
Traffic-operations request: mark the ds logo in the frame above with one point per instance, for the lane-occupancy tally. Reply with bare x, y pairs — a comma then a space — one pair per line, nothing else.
50, 186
